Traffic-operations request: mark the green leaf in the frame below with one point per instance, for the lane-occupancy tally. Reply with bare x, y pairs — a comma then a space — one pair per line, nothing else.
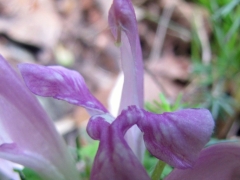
177, 104
233, 29
225, 10
165, 104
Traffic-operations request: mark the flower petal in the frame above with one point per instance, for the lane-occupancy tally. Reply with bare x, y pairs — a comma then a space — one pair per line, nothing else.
221, 161
13, 153
23, 122
97, 125
60, 83
114, 159
177, 137
123, 23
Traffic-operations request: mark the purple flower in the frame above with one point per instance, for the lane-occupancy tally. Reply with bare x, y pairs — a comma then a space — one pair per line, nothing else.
176, 138
28, 136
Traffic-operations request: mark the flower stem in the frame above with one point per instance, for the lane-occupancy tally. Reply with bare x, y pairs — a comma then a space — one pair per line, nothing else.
158, 170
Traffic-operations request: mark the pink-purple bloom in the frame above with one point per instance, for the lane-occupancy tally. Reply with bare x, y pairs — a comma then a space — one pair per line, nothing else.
177, 138
174, 137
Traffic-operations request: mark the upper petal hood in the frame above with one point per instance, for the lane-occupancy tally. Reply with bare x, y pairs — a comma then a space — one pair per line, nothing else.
123, 24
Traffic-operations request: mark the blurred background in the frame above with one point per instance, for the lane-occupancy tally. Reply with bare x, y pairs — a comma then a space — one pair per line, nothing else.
191, 52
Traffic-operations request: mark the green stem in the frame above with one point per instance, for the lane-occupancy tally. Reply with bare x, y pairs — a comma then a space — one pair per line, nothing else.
158, 170
21, 175
78, 144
